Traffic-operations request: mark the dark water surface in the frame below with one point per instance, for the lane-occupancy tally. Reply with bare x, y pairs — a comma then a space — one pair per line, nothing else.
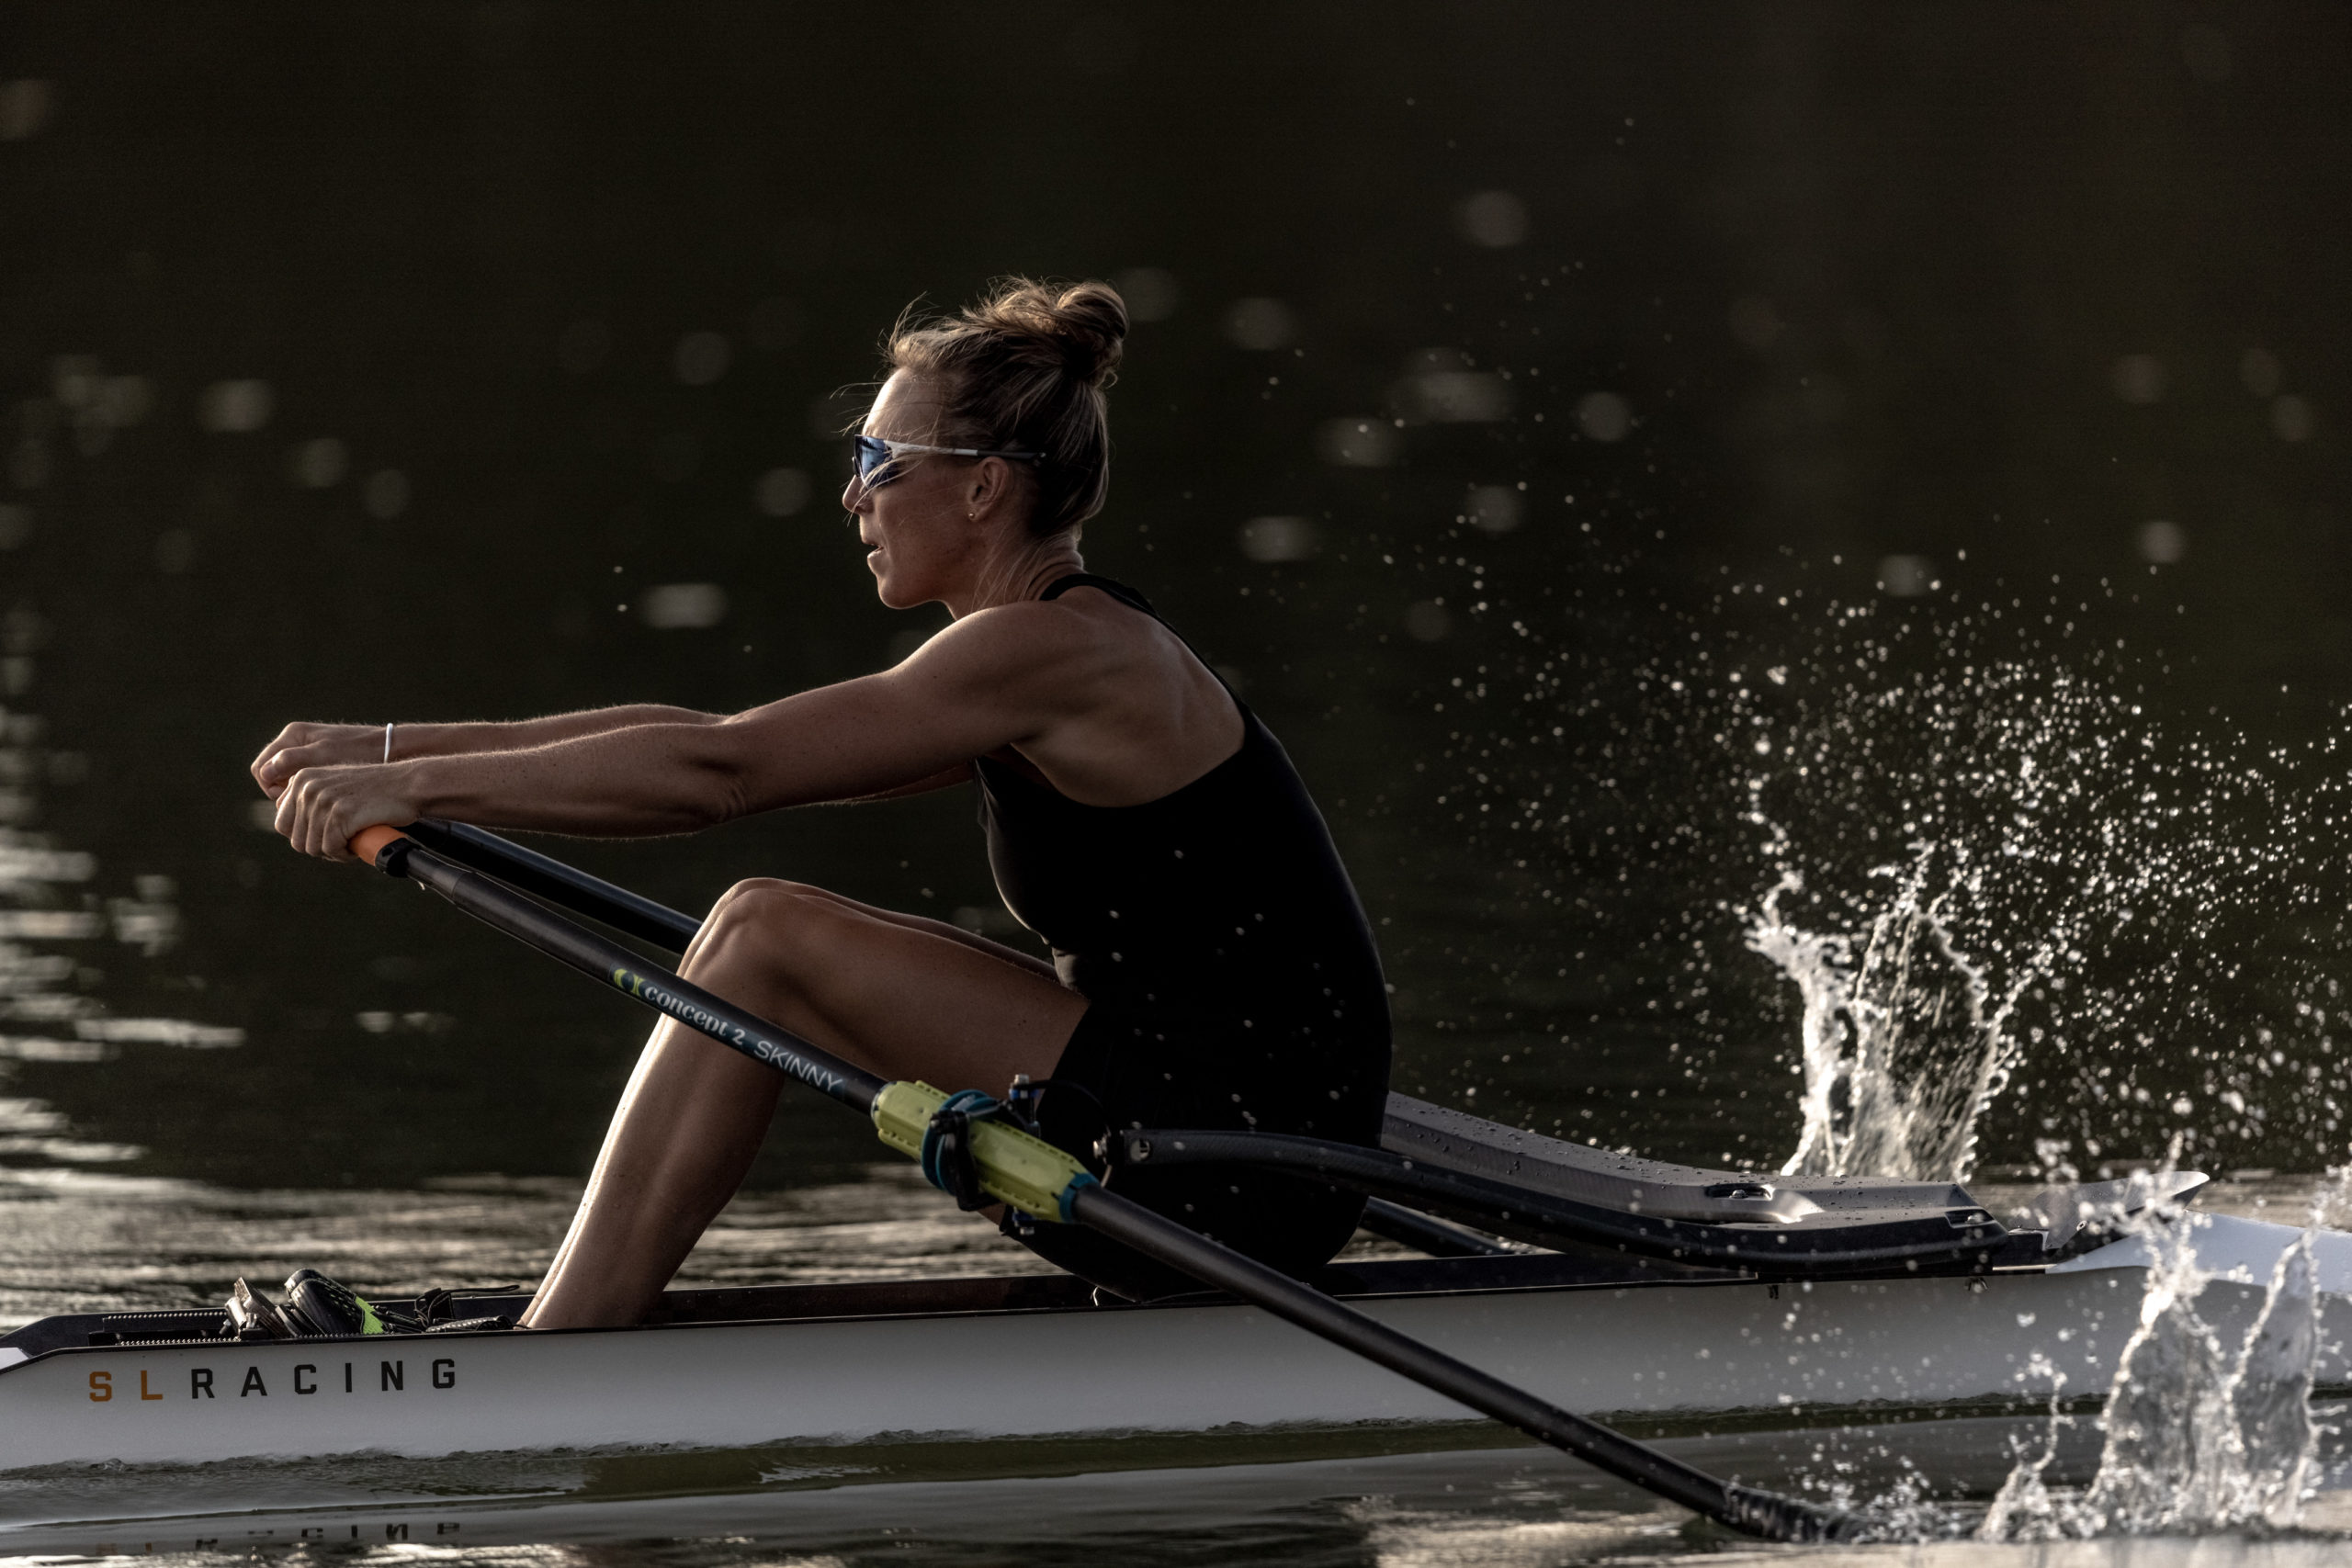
1631, 458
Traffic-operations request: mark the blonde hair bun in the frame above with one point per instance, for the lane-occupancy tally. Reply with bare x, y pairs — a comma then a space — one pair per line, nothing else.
1086, 322
1024, 369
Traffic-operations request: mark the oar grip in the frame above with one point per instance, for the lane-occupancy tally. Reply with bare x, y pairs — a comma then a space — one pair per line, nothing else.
370, 842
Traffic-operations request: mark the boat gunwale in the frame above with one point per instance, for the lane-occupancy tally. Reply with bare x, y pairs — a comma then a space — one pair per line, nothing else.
1712, 1278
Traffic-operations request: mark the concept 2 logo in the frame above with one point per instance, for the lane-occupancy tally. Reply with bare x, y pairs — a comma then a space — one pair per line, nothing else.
780, 1057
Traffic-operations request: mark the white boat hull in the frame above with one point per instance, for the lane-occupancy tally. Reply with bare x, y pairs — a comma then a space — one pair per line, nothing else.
1659, 1350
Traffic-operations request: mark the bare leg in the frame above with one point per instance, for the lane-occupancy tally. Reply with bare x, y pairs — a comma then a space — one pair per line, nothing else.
898, 995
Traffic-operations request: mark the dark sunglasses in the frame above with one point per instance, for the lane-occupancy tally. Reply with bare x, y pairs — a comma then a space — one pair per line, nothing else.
874, 455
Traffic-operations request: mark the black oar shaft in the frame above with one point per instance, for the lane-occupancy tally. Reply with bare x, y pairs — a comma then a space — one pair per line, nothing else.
616, 967
1427, 1233
564, 886
1757, 1513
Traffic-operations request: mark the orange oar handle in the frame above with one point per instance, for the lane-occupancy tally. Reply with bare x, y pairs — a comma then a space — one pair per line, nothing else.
370, 842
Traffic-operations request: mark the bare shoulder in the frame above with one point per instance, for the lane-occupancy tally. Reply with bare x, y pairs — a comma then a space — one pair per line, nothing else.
1078, 635
1107, 704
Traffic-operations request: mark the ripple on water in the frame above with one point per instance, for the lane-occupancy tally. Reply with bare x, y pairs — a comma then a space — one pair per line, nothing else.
1303, 1497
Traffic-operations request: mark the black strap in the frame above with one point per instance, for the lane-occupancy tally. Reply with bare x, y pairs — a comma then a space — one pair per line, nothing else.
947, 1146
1119, 591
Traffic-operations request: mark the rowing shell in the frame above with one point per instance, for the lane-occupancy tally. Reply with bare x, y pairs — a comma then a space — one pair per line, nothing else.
1033, 1355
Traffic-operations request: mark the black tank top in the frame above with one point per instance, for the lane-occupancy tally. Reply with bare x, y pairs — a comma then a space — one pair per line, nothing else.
1220, 908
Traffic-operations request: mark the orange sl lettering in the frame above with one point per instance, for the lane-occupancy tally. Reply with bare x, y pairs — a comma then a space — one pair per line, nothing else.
142, 1386
101, 1387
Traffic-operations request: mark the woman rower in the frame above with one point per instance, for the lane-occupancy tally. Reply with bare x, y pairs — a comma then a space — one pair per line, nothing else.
1212, 964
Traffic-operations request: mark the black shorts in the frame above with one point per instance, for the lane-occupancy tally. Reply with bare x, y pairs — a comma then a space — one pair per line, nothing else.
1268, 1077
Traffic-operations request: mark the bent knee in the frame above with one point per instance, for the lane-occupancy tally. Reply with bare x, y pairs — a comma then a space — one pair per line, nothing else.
782, 916
760, 897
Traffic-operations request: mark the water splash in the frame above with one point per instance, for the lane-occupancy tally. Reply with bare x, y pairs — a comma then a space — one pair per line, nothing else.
2020, 914
2201, 1433
1905, 1043
2194, 1428
2025, 1499
2138, 923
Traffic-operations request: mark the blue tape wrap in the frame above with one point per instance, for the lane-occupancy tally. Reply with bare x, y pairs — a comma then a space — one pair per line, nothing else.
1070, 1192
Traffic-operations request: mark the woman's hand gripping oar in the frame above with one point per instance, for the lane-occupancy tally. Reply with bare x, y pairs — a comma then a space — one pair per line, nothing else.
1006, 1164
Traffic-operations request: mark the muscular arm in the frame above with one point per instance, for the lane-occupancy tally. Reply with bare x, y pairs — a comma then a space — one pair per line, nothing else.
995, 679
304, 745
861, 738
522, 735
